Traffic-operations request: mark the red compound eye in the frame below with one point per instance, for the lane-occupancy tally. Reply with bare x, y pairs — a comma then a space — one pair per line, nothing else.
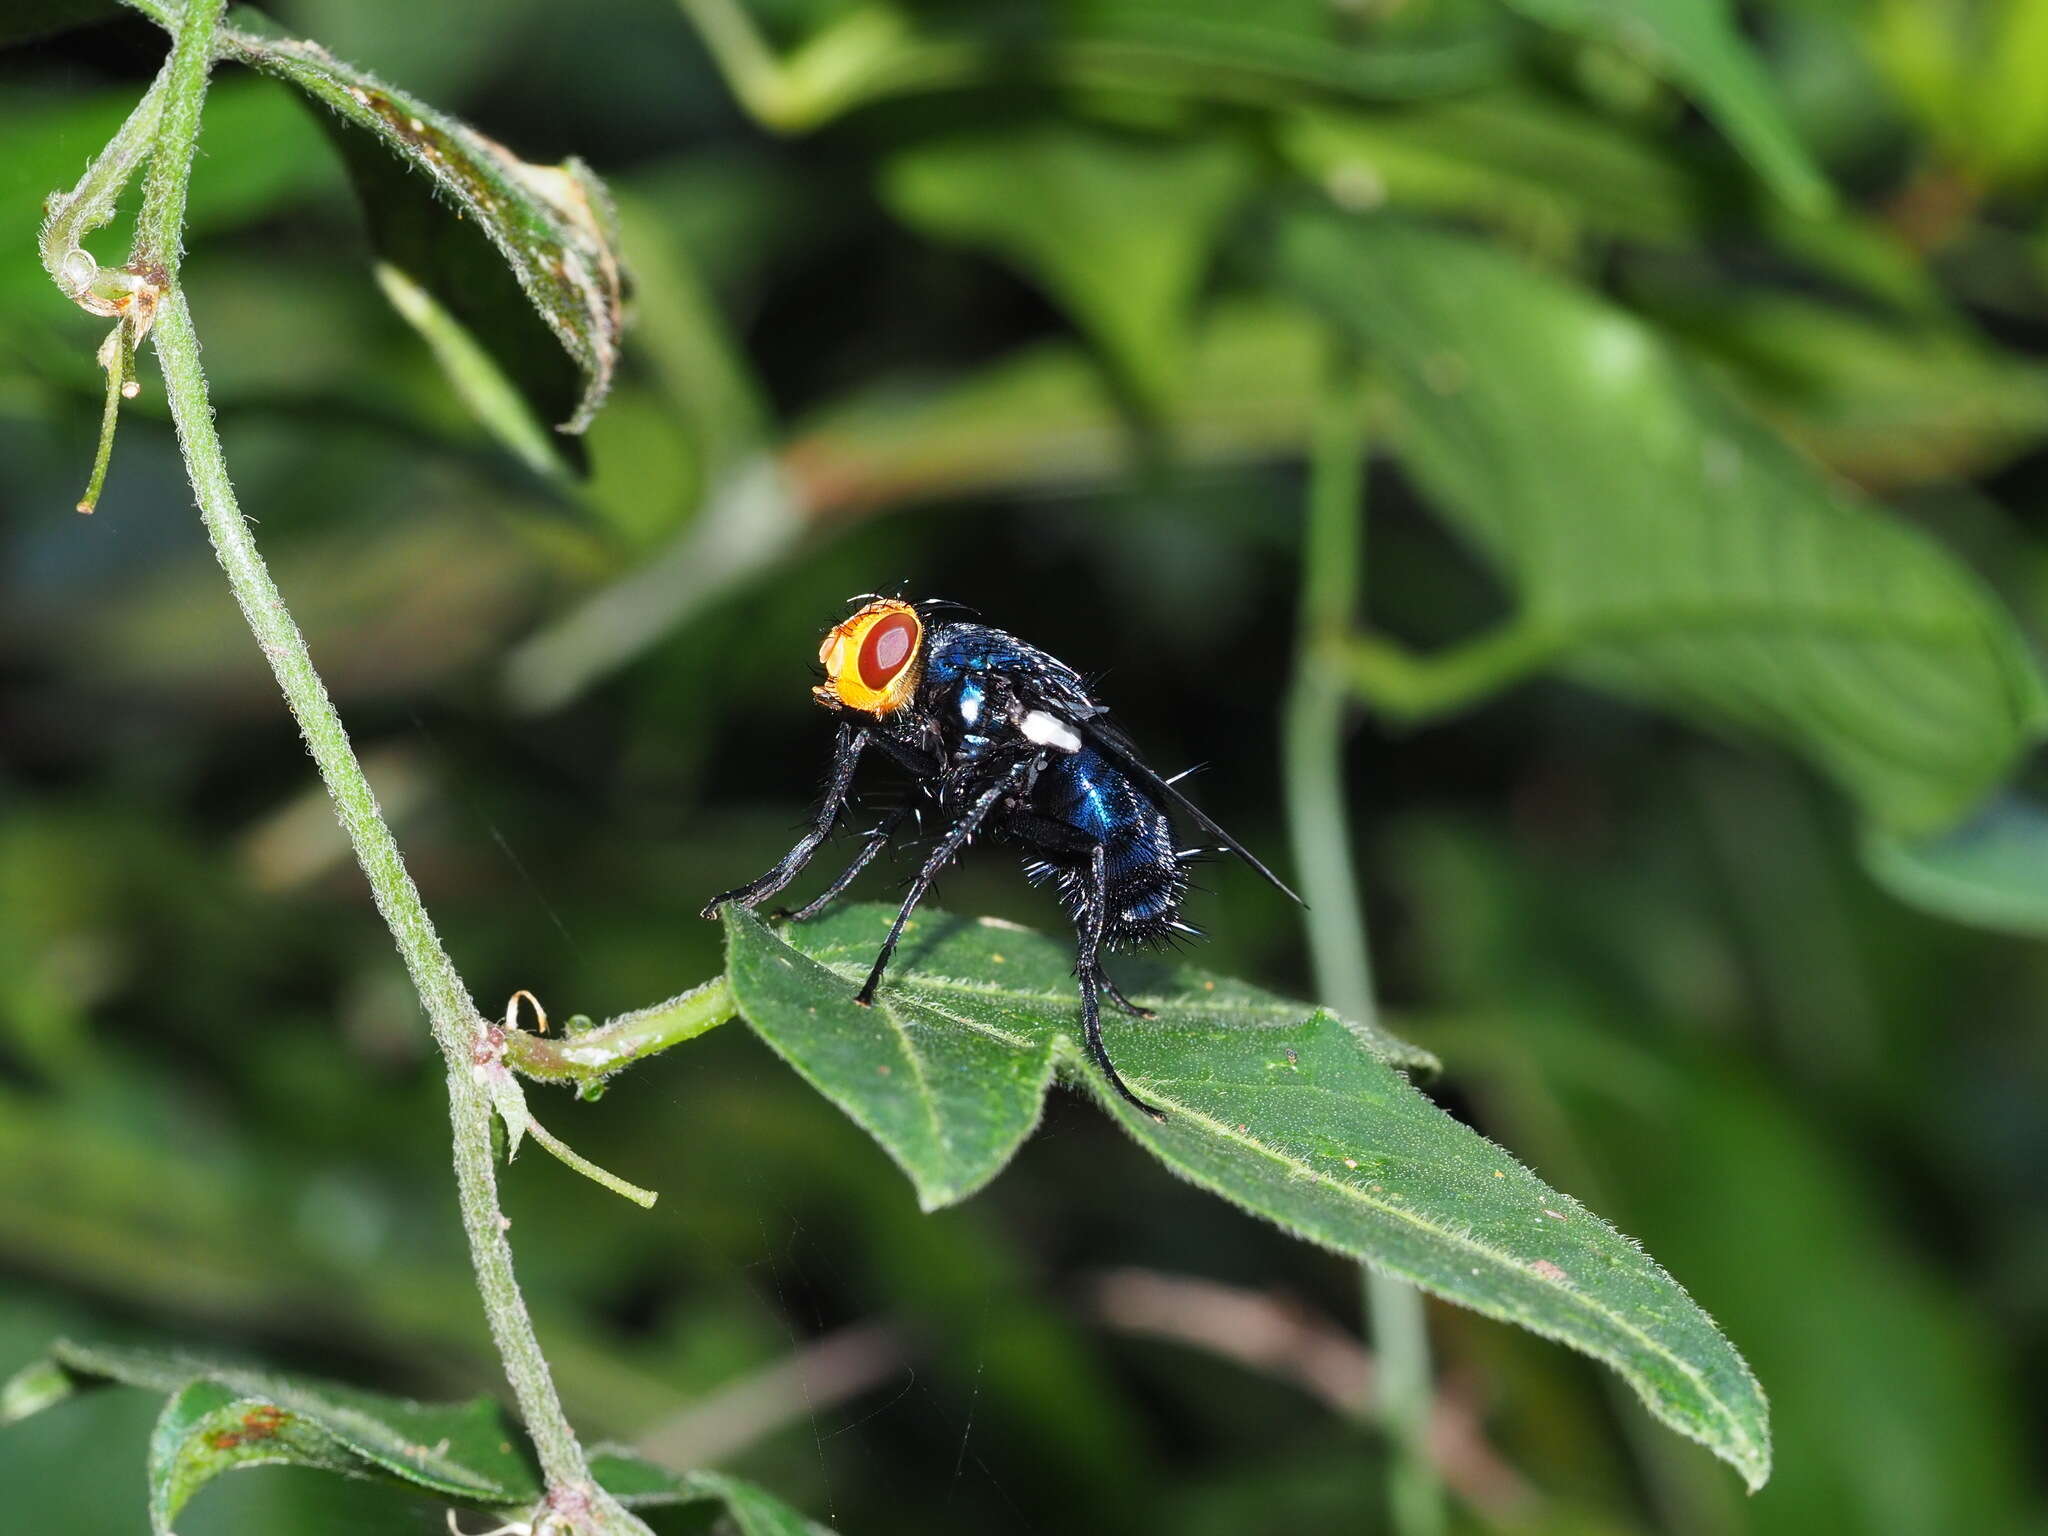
887, 647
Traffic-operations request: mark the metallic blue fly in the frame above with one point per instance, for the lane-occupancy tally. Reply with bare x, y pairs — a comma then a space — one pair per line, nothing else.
1002, 737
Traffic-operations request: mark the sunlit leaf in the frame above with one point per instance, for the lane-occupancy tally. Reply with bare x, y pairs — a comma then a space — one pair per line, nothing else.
1991, 872
1696, 43
1661, 542
1280, 1107
1118, 230
222, 1418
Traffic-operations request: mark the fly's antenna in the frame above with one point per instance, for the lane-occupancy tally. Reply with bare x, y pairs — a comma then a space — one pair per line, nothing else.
1188, 773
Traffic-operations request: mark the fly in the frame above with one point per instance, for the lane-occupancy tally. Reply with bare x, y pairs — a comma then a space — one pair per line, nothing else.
1006, 739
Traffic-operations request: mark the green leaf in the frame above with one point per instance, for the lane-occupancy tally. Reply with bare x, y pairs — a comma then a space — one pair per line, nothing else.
1542, 167
1696, 43
550, 225
639, 1484
1279, 1107
26, 20
222, 1418
1117, 229
1043, 415
1223, 50
1660, 541
1990, 872
1886, 402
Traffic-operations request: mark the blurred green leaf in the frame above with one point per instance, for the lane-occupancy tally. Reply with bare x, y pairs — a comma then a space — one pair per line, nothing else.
1697, 43
1991, 872
492, 397
1295, 1115
26, 20
1044, 416
551, 225
1544, 167
1887, 402
1660, 541
1976, 74
1117, 229
754, 1511
222, 1418
1215, 49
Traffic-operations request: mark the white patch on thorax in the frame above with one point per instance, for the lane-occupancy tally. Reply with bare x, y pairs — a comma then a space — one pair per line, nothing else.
1048, 730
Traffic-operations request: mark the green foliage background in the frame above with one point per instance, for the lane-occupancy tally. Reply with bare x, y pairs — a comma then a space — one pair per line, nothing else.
1655, 314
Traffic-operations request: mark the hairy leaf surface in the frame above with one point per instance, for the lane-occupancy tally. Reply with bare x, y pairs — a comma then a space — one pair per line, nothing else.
1280, 1107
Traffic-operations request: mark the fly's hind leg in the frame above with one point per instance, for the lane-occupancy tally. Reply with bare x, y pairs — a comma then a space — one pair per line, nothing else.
1088, 971
1116, 996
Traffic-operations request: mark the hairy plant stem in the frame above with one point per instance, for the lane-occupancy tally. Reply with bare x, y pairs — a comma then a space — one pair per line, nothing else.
591, 1055
456, 1026
1317, 704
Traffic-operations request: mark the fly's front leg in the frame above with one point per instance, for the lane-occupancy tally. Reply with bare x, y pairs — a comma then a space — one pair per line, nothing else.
876, 840
948, 848
846, 752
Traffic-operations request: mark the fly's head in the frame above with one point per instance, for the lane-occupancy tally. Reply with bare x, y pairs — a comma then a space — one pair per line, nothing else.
873, 660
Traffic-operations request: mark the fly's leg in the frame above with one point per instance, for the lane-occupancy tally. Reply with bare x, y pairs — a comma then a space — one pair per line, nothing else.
1116, 996
846, 752
877, 838
949, 846
1088, 971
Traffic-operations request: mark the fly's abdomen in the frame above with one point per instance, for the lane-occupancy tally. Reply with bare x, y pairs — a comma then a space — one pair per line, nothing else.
1147, 879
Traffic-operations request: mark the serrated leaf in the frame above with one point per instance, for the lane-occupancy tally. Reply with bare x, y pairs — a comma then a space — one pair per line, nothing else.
1279, 1107
220, 1418
551, 225
1990, 872
1117, 229
1696, 43
1660, 541
948, 1070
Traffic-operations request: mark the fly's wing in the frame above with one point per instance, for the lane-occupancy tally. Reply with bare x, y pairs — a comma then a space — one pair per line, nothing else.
1119, 747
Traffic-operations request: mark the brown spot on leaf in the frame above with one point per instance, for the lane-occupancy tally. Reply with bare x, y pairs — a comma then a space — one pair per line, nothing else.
1548, 1270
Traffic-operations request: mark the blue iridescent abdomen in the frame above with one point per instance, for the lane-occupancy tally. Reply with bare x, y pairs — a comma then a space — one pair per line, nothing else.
1091, 794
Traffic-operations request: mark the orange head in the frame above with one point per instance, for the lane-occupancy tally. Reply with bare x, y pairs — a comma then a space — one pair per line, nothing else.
872, 661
